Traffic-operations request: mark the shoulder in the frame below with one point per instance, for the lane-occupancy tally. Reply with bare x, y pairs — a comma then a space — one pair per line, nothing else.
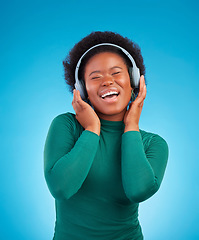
67, 121
65, 118
152, 139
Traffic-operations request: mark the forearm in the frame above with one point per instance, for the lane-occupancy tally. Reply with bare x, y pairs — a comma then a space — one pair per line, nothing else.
66, 174
138, 176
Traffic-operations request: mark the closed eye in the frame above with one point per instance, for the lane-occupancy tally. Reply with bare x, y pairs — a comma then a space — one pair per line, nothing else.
115, 73
94, 78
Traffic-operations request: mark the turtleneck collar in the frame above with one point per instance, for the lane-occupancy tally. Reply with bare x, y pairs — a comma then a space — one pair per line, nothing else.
112, 126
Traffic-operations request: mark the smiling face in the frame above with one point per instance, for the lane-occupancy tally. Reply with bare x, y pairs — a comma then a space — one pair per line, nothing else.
108, 85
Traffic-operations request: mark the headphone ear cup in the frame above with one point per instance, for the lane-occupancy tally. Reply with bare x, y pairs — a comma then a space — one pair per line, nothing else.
136, 76
130, 70
79, 85
134, 79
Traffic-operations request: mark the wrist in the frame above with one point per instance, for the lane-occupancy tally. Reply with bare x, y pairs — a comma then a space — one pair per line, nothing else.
134, 127
94, 129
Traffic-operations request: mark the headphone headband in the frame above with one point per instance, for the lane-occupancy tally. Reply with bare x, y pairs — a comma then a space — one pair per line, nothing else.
135, 71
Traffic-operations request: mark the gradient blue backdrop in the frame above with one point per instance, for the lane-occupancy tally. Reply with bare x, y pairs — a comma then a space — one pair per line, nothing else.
35, 38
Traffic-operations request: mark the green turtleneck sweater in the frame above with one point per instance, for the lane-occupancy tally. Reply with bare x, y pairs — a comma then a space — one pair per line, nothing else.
98, 181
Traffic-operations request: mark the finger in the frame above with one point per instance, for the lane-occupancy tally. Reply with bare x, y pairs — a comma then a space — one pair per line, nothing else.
141, 87
73, 96
140, 100
75, 102
79, 100
79, 104
142, 91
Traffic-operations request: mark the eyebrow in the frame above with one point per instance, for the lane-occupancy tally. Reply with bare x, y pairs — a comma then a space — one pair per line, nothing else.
94, 72
116, 67
97, 71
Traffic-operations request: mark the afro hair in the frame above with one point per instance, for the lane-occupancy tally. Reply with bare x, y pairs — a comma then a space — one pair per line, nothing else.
93, 39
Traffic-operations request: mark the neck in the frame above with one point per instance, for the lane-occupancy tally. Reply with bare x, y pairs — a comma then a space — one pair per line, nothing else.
113, 117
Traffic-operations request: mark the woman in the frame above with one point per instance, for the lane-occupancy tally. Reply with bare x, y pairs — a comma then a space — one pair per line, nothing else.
98, 164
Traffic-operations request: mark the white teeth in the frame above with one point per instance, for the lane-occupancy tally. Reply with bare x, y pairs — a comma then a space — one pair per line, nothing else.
109, 93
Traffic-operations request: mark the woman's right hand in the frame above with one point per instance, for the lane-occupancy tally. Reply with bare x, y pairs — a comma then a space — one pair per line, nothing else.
85, 115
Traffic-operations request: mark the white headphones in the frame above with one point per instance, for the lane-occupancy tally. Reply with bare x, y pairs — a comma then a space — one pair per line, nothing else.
134, 71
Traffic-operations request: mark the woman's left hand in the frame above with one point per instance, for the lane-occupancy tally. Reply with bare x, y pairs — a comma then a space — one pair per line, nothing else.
132, 116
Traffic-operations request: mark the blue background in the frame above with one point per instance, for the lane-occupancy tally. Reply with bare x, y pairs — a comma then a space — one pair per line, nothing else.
35, 38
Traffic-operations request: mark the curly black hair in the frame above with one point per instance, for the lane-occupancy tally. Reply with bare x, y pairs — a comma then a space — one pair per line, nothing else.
95, 38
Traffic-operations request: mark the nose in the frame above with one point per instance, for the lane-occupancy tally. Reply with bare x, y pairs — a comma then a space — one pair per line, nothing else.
107, 80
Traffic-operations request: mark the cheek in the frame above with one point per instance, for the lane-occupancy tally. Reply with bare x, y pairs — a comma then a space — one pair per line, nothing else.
91, 91
127, 88
125, 82
88, 87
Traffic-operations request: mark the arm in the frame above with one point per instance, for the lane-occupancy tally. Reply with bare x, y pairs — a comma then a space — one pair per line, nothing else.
142, 171
67, 161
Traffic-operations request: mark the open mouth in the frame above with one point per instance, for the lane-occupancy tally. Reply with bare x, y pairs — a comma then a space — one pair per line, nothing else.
110, 95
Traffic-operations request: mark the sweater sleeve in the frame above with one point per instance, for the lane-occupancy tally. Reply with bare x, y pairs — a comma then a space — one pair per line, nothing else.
142, 170
67, 161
